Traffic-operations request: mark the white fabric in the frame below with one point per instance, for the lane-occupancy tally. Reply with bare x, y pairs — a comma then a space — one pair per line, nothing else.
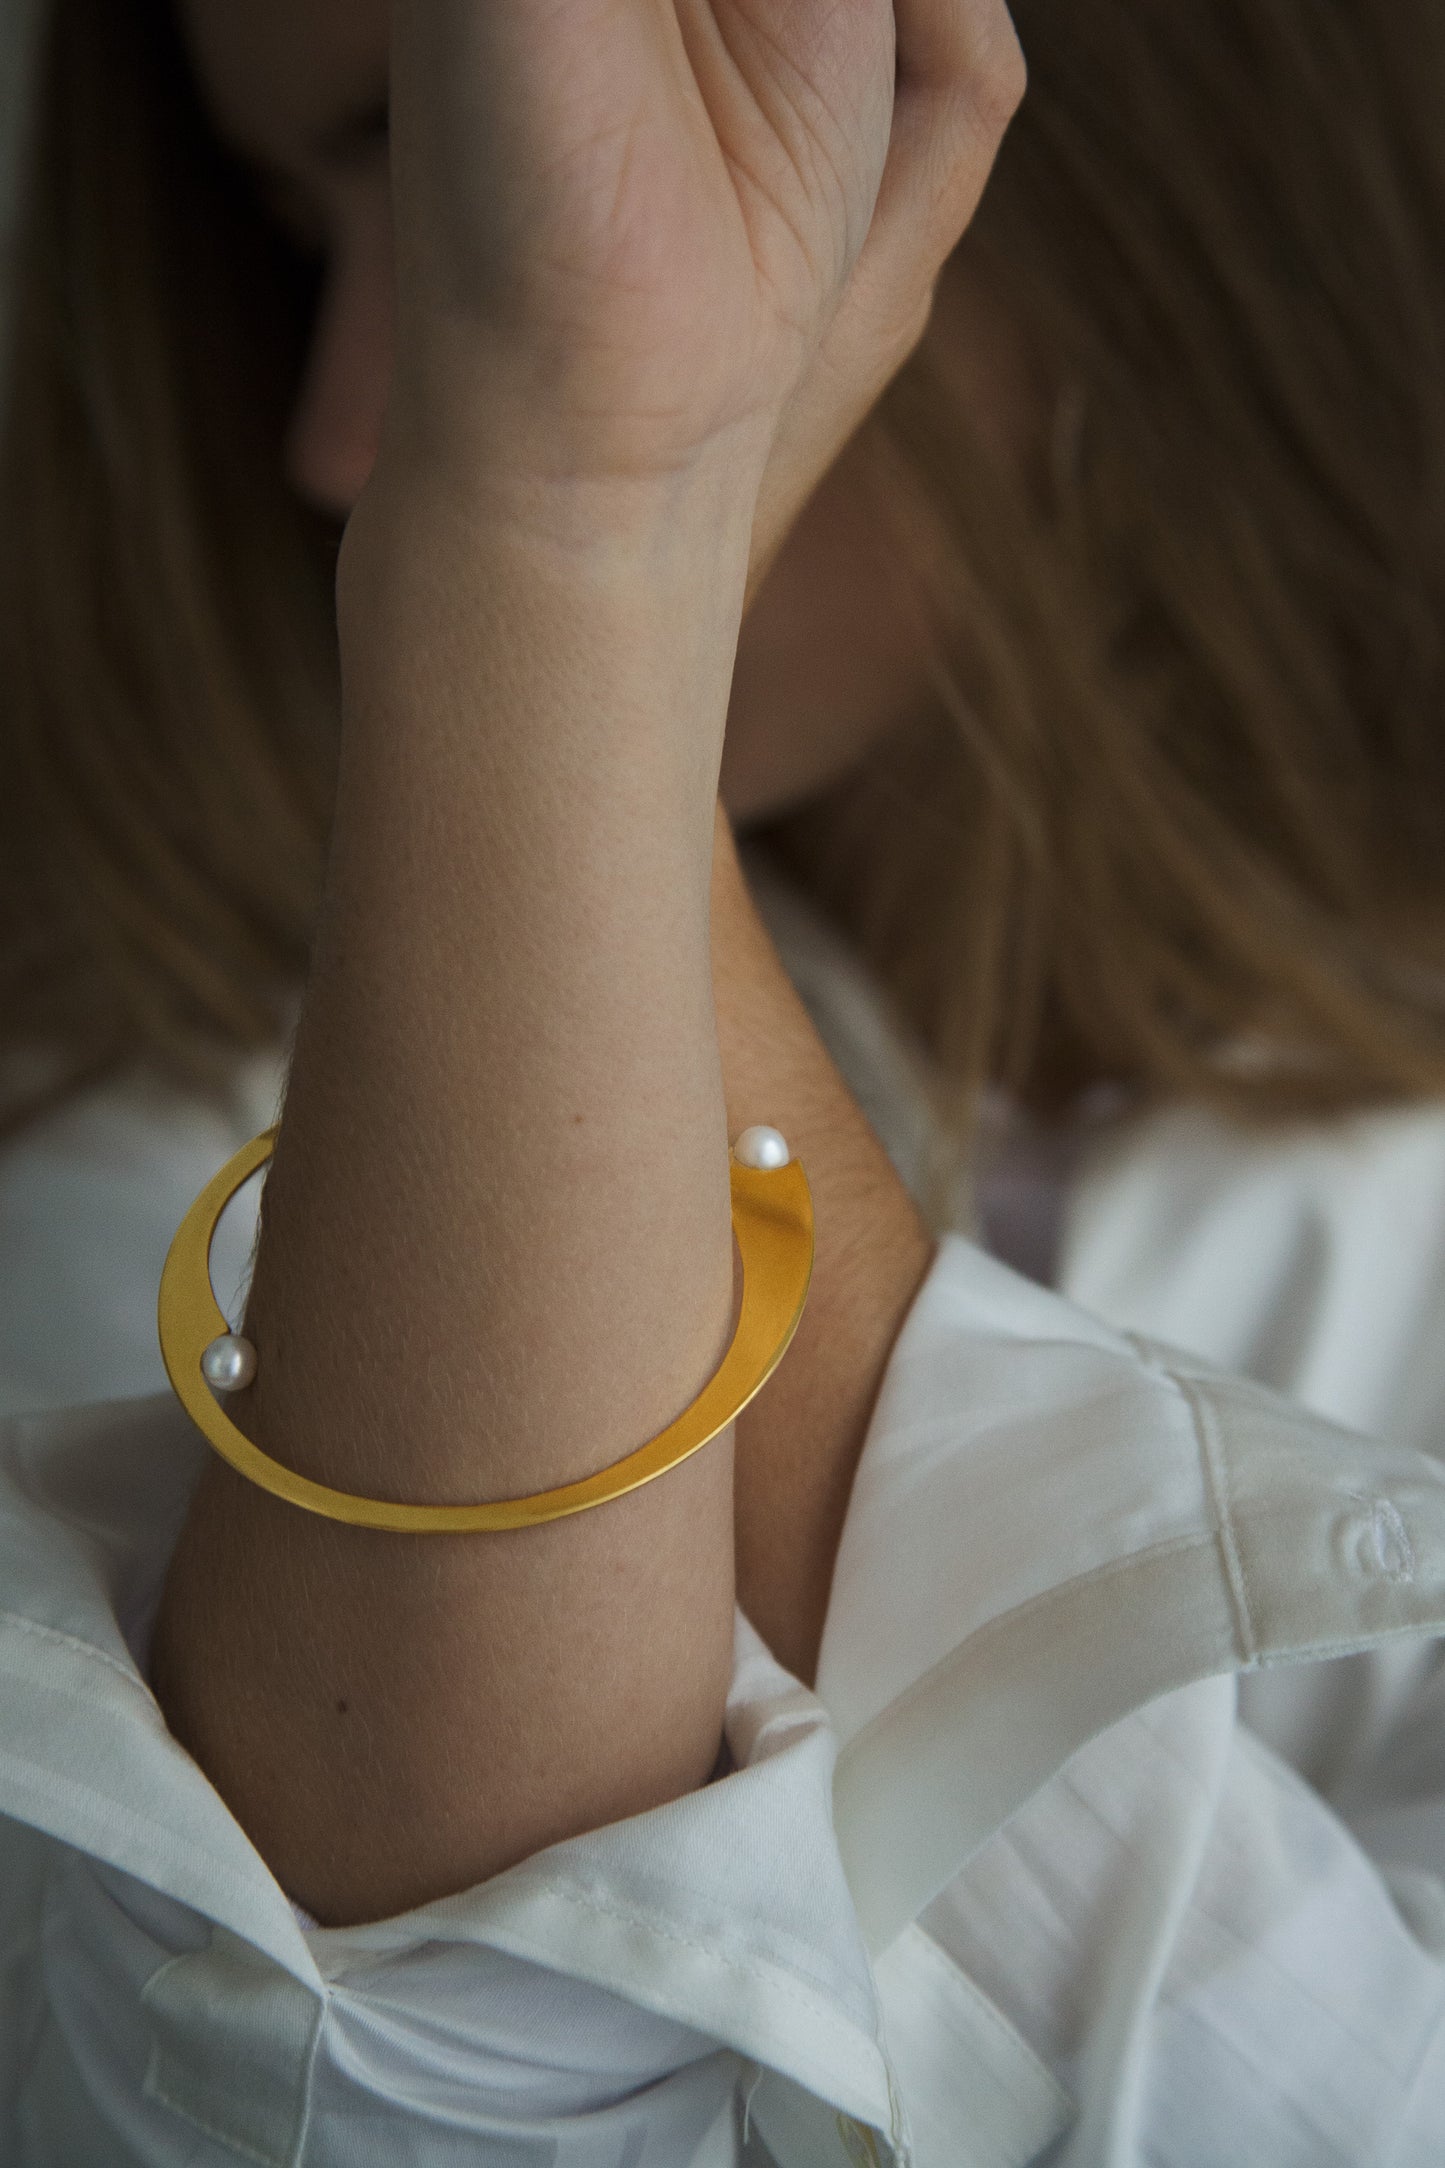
89, 1200
1016, 1883
1313, 1260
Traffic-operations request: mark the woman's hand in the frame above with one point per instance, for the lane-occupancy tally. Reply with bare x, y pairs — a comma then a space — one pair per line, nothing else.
624, 226
642, 227
960, 76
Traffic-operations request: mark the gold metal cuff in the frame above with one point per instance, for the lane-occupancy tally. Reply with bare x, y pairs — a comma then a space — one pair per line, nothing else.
772, 1212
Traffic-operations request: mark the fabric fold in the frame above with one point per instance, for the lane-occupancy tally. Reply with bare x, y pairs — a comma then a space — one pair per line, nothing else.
1182, 1526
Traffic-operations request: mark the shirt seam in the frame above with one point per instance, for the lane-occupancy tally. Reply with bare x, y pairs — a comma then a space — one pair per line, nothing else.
1000, 2027
73, 1642
1215, 1465
767, 1972
156, 2091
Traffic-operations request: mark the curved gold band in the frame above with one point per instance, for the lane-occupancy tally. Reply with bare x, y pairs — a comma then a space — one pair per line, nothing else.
773, 1221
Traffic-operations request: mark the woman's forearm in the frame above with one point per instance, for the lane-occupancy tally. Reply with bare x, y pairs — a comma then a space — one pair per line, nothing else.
798, 1444
496, 1248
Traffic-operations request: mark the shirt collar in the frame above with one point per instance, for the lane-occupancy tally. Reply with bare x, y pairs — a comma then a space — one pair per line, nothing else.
1054, 1524
726, 1910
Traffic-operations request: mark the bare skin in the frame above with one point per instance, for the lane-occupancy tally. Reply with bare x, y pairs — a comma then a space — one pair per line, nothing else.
498, 1303
798, 1444
828, 654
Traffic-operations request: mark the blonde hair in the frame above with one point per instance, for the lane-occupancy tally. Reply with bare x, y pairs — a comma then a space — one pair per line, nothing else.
1174, 816
167, 737
1173, 812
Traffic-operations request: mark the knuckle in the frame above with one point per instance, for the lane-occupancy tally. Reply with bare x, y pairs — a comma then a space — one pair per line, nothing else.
971, 101
1000, 72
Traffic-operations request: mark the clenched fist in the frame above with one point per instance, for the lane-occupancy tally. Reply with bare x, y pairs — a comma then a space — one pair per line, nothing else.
626, 227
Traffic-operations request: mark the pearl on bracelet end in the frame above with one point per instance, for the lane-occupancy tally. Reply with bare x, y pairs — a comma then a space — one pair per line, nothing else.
762, 1147
229, 1363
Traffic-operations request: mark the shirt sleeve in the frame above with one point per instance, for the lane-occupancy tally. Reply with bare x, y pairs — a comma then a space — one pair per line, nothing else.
1206, 1958
1065, 1845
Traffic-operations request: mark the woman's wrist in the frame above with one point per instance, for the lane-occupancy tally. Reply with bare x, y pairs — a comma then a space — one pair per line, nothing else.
483, 582
472, 480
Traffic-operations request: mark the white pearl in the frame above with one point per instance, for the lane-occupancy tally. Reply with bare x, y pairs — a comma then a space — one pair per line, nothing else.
229, 1363
762, 1147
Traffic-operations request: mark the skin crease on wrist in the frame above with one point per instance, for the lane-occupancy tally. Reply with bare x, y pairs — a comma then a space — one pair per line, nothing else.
828, 661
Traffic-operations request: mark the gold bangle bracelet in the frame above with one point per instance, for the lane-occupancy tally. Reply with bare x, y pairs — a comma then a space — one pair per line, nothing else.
772, 1214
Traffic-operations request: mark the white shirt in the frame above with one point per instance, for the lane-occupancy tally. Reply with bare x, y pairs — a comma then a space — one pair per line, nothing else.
1015, 1883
